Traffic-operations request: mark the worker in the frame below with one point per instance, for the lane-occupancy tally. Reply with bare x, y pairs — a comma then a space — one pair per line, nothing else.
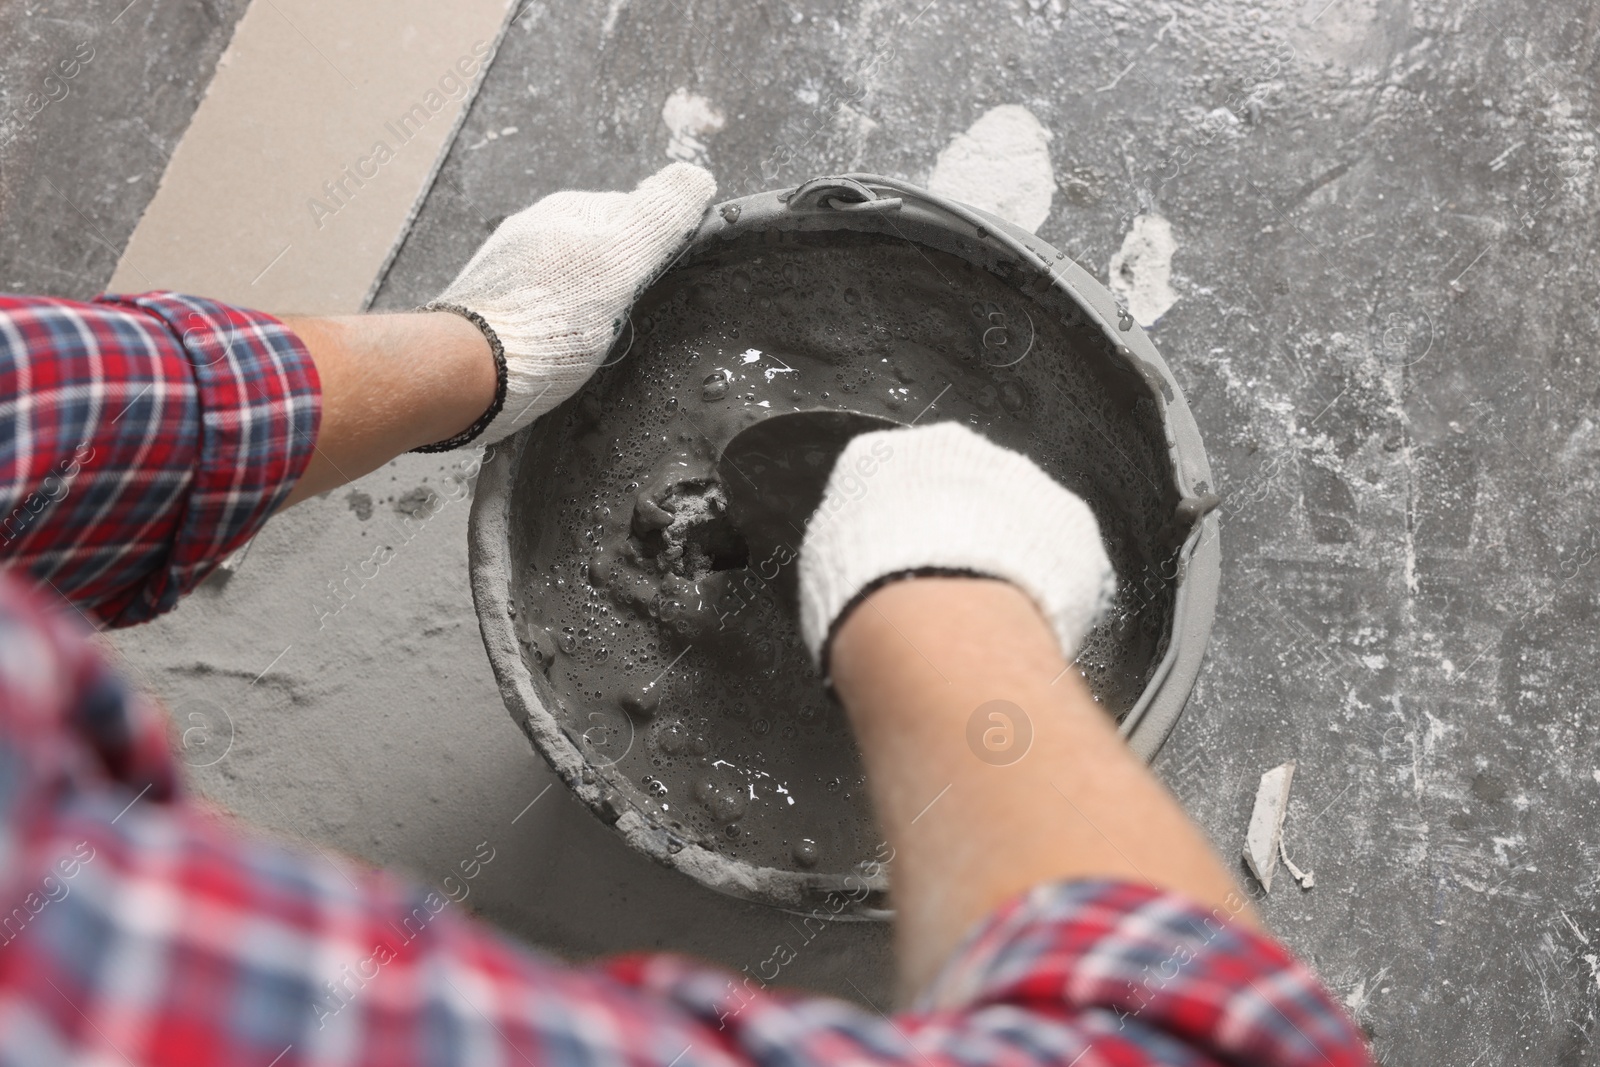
1053, 909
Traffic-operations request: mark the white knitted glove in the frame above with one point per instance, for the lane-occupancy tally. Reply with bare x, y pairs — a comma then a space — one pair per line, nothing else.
942, 499
554, 281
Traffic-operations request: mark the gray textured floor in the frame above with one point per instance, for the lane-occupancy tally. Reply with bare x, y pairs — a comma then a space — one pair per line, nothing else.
1386, 325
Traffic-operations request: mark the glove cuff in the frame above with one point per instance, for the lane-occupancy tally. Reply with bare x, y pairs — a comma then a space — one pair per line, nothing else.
943, 500
498, 351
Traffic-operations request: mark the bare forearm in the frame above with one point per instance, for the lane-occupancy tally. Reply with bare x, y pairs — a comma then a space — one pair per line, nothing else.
389, 384
912, 664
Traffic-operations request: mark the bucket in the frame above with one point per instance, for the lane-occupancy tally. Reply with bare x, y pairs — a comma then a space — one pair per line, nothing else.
635, 642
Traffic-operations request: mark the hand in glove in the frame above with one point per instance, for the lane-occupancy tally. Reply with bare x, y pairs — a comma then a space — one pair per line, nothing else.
553, 283
940, 499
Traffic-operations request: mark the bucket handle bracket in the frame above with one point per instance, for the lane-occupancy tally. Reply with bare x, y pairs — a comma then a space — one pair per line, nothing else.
840, 194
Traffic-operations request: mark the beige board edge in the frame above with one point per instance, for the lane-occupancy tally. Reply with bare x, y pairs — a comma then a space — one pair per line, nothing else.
279, 195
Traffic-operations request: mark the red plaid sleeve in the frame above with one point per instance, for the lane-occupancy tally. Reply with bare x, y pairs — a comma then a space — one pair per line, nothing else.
1146, 969
142, 439
135, 930
1089, 973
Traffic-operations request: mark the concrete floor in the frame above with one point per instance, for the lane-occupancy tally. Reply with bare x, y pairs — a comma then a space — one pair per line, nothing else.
1385, 322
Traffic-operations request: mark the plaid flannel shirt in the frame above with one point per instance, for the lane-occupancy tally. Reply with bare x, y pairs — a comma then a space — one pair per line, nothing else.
141, 439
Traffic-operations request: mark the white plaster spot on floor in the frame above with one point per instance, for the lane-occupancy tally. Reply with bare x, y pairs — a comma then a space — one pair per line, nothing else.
854, 129
1582, 445
1357, 998
614, 9
1361, 995
690, 118
1500, 846
1345, 34
1141, 270
1000, 164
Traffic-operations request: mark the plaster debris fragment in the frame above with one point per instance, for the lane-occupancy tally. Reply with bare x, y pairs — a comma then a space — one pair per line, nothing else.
235, 559
1141, 271
690, 118
1000, 164
1306, 879
1263, 841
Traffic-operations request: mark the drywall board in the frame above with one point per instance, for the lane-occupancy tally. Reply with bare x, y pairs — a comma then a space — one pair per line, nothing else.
322, 128
77, 172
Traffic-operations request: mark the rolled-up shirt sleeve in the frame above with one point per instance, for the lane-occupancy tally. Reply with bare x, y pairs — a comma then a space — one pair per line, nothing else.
1141, 969
1091, 973
128, 913
142, 440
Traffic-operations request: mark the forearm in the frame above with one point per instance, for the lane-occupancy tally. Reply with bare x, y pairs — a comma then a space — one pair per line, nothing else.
912, 663
390, 382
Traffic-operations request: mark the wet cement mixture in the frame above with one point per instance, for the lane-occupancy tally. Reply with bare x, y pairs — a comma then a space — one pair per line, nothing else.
671, 651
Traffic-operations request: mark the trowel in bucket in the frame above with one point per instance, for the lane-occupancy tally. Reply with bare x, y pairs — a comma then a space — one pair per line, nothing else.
774, 473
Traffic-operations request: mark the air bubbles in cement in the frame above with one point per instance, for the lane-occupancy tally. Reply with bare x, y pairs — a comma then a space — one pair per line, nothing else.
715, 387
628, 547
